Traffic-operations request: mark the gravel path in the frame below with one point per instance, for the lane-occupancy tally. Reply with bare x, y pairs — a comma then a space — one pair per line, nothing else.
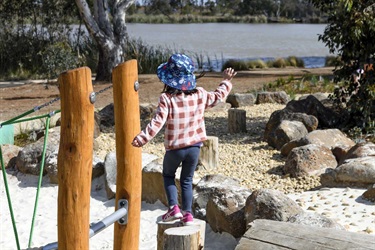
244, 156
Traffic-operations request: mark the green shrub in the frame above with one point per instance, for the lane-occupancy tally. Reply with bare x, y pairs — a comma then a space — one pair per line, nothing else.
236, 65
295, 62
257, 64
279, 63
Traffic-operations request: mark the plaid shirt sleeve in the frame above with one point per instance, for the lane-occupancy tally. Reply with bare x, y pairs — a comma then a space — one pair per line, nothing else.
156, 123
214, 98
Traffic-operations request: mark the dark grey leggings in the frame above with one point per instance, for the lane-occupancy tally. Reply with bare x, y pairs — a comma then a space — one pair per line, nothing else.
188, 157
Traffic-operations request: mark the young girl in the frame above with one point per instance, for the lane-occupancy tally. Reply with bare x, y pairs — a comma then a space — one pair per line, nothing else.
181, 107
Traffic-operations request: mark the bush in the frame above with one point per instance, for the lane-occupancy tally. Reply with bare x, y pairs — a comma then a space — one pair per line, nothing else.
296, 62
236, 65
257, 64
278, 63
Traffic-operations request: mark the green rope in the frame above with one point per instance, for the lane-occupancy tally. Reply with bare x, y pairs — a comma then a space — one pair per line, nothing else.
9, 201
17, 117
37, 117
29, 112
40, 180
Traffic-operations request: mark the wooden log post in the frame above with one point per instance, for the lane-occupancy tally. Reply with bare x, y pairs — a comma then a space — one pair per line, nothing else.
182, 238
236, 121
129, 159
75, 159
163, 226
209, 155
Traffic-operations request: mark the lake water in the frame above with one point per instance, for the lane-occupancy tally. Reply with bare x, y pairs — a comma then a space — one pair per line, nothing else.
222, 41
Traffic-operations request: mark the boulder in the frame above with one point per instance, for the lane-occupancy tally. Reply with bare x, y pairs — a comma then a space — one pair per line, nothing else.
110, 170
29, 158
9, 153
220, 200
309, 160
330, 138
369, 194
240, 100
286, 132
226, 214
270, 204
357, 172
361, 149
153, 184
213, 187
310, 122
106, 116
312, 106
272, 97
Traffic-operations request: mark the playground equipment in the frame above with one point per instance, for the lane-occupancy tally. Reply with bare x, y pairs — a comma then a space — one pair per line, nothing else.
75, 160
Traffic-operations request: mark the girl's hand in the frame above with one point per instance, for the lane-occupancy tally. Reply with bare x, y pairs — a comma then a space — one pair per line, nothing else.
136, 143
228, 74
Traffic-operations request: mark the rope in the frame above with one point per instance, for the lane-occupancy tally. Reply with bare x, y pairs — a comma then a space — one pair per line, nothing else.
40, 179
102, 90
29, 112
9, 201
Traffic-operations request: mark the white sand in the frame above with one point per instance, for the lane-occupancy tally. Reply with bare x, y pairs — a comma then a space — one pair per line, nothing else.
22, 190
342, 204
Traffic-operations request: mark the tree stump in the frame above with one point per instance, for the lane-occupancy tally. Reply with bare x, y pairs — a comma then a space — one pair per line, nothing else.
236, 121
209, 155
163, 226
182, 238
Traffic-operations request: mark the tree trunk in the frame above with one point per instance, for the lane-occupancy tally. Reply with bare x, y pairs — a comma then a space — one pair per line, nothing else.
108, 60
106, 24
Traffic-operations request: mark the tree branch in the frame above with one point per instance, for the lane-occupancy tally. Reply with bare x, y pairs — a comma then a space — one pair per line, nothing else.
91, 25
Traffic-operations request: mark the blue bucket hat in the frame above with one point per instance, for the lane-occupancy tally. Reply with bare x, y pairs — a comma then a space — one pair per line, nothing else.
178, 72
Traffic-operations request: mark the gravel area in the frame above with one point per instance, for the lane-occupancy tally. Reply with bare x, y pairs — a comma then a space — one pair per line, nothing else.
244, 156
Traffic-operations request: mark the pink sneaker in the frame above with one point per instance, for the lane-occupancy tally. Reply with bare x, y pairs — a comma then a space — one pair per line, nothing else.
172, 214
187, 219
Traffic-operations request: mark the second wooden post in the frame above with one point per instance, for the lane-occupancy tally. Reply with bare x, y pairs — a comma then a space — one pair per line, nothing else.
75, 159
129, 161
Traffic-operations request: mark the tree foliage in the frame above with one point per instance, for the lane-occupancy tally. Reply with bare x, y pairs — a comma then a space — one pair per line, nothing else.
350, 34
31, 32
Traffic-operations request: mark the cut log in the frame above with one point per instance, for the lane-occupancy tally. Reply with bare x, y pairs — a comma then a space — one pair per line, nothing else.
163, 226
182, 238
209, 155
236, 121
268, 234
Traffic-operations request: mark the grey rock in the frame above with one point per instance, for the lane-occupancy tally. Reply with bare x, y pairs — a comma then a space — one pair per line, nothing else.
240, 100
272, 97
270, 204
309, 160
288, 131
329, 138
357, 172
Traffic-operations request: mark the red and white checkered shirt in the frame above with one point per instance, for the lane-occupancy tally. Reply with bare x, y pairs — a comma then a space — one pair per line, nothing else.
183, 116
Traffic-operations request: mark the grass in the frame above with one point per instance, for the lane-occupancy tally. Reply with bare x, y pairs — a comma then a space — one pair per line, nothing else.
307, 84
291, 61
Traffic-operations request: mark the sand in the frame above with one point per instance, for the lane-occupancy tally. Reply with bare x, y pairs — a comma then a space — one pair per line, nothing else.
342, 204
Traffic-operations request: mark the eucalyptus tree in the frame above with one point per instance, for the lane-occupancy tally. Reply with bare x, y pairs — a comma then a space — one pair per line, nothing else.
105, 21
350, 34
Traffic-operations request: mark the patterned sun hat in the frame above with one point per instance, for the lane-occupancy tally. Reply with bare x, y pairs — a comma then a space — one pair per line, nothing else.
178, 72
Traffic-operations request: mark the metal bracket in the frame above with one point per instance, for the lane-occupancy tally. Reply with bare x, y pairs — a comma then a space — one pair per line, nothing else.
92, 97
122, 203
136, 86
